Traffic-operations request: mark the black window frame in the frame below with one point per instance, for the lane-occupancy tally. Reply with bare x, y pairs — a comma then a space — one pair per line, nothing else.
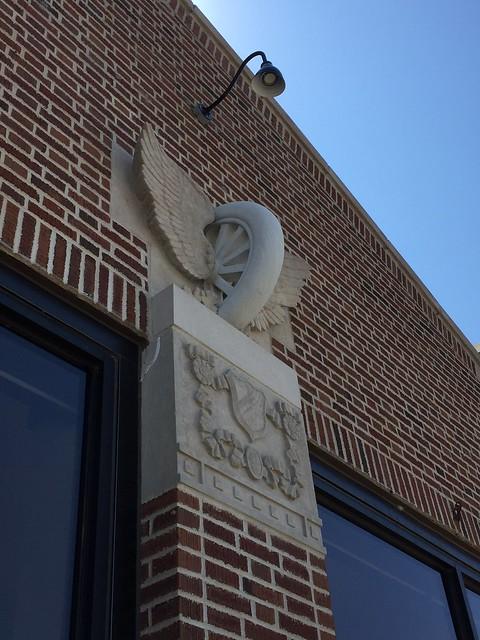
351, 498
105, 590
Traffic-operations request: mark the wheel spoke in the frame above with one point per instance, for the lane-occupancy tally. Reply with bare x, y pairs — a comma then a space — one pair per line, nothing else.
236, 251
232, 268
232, 244
223, 285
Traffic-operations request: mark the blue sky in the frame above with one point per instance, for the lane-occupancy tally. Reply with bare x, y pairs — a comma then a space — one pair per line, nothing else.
388, 92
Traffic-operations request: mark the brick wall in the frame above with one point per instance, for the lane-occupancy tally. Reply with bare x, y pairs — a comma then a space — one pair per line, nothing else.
208, 569
389, 386
56, 127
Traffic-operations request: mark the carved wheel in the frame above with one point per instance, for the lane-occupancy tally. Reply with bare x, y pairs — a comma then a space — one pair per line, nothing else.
248, 247
232, 246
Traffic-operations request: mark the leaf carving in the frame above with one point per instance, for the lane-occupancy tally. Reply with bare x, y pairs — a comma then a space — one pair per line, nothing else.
286, 293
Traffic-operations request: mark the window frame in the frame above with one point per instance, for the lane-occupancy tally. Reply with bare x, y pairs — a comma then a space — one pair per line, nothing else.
363, 506
105, 590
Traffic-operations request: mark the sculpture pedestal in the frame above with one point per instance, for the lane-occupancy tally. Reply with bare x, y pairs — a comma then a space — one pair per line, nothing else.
222, 416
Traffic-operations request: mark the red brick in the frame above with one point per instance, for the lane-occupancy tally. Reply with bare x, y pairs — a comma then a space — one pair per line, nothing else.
60, 254
325, 619
221, 574
222, 516
260, 570
190, 585
322, 598
158, 589
142, 301
43, 245
300, 608
178, 630
158, 544
177, 606
320, 580
170, 498
293, 585
223, 620
256, 532
288, 547
225, 555
260, 591
317, 561
189, 539
117, 301
178, 558
133, 264
26, 238
296, 568
292, 625
259, 632
89, 275
103, 285
228, 599
10, 223
131, 309
126, 245
74, 267
56, 222
165, 611
264, 613
218, 531
188, 519
259, 550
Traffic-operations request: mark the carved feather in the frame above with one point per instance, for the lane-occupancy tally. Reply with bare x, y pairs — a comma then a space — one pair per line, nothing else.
177, 210
286, 293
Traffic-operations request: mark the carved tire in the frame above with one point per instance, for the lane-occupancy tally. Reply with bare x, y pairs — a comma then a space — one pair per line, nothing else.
249, 252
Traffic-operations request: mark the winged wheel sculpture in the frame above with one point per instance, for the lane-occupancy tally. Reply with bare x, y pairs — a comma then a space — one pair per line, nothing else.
232, 254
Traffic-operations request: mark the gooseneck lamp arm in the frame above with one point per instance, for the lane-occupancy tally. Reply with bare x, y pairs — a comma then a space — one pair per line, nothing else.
206, 110
267, 82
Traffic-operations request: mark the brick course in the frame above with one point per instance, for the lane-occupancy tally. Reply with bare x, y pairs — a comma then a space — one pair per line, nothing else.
203, 591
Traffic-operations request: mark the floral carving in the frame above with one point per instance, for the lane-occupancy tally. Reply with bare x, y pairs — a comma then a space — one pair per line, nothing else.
287, 418
204, 368
250, 412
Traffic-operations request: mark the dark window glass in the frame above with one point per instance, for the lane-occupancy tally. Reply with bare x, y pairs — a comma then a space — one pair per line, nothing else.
380, 592
42, 401
474, 602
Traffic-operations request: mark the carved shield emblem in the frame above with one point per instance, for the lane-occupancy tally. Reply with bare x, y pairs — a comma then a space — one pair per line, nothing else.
249, 406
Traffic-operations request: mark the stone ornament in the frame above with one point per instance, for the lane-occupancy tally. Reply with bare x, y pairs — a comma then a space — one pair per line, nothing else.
233, 254
253, 414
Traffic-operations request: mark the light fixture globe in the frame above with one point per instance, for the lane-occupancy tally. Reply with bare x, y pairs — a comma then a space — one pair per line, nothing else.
268, 82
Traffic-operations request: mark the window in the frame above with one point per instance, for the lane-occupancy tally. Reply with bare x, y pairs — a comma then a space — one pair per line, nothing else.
379, 591
474, 603
68, 470
389, 576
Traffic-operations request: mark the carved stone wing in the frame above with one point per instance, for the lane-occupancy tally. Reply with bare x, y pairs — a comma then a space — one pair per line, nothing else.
286, 293
177, 210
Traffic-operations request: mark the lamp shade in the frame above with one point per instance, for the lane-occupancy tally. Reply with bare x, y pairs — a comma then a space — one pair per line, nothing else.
268, 82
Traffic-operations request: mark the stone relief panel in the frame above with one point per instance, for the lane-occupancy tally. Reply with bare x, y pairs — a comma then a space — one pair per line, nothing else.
241, 443
232, 431
254, 420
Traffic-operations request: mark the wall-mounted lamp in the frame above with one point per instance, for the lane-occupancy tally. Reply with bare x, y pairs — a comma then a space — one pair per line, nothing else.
268, 82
